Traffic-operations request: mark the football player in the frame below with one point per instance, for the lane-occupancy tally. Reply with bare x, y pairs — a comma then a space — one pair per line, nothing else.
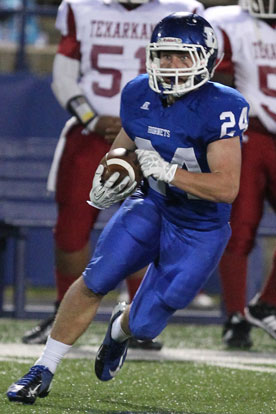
102, 47
247, 34
187, 132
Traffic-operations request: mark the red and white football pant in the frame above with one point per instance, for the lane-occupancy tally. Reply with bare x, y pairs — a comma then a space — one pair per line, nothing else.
258, 183
81, 156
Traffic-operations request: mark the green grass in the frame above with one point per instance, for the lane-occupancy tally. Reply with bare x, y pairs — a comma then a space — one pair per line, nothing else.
174, 336
148, 387
152, 387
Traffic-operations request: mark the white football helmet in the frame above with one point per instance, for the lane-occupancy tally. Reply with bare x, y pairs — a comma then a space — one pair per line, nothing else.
262, 9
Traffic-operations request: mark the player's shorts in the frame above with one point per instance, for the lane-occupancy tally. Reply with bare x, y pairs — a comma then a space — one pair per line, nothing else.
80, 158
181, 262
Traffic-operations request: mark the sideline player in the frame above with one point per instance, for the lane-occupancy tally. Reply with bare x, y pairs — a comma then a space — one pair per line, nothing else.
178, 221
102, 47
248, 37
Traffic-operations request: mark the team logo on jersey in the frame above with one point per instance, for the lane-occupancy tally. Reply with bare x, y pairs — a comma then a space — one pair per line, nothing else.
145, 106
159, 131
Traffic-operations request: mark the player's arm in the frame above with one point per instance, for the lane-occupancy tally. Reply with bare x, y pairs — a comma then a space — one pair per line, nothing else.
221, 184
123, 141
66, 72
65, 85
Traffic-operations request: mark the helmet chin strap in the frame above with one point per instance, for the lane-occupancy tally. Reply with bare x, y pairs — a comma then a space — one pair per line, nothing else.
217, 64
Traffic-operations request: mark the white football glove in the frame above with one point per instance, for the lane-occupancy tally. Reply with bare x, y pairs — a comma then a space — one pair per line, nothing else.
153, 164
104, 195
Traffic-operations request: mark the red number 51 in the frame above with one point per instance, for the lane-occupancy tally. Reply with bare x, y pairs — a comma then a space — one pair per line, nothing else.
116, 74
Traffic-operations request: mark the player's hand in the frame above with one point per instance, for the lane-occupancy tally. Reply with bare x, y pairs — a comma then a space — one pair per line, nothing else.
152, 164
108, 127
104, 195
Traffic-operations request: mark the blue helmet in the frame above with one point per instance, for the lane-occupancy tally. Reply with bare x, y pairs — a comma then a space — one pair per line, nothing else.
182, 32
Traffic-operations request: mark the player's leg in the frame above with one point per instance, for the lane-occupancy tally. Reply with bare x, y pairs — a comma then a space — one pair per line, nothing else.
261, 311
136, 237
137, 233
81, 156
142, 223
185, 261
269, 291
133, 282
78, 164
70, 260
75, 220
246, 215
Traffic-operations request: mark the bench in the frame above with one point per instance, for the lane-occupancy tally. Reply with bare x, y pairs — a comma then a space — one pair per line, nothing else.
25, 202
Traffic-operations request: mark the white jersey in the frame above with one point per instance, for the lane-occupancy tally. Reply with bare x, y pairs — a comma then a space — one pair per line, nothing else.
112, 43
253, 57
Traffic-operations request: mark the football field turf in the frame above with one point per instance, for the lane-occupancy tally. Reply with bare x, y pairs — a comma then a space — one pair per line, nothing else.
193, 374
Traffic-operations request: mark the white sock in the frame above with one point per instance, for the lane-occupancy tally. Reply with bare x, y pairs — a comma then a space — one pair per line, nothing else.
117, 332
52, 354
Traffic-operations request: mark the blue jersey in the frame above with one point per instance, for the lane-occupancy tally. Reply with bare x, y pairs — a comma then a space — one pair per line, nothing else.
181, 133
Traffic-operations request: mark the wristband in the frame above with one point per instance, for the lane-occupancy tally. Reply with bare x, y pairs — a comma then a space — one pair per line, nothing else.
79, 107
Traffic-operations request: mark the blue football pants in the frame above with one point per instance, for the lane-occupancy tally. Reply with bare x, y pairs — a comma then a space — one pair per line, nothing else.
181, 260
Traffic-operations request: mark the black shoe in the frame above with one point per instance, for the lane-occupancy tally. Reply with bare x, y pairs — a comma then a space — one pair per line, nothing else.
236, 332
111, 354
263, 316
39, 334
149, 345
36, 383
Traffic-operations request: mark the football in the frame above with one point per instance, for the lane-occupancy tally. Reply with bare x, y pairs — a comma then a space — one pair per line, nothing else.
123, 161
